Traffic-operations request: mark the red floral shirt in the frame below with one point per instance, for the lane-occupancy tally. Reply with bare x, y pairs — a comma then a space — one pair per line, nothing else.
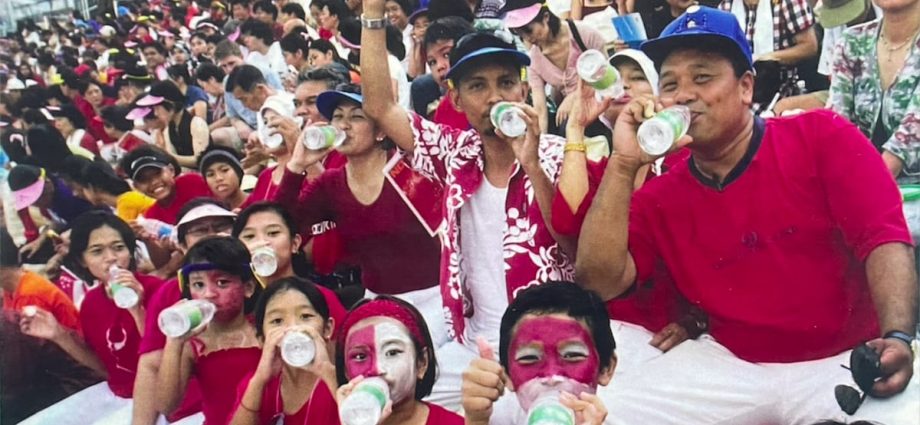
455, 159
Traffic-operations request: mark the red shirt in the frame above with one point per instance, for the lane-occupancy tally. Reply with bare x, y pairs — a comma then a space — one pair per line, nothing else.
188, 186
394, 251
447, 114
272, 406
776, 256
113, 335
325, 412
219, 373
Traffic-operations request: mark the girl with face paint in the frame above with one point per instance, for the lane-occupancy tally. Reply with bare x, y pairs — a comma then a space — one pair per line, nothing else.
387, 338
277, 390
555, 342
221, 352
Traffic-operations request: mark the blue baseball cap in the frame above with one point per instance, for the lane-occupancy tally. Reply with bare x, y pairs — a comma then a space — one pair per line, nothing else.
517, 56
701, 26
327, 101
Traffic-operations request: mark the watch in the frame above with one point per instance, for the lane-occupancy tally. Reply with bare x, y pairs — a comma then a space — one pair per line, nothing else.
902, 336
373, 24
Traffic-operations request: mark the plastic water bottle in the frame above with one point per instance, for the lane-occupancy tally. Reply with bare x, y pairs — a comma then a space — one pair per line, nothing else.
297, 349
157, 228
508, 118
547, 410
179, 319
322, 137
657, 135
592, 66
264, 261
30, 310
123, 296
365, 404
269, 140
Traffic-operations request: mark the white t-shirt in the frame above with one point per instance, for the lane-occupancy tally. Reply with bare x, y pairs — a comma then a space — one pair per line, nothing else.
398, 73
274, 60
482, 230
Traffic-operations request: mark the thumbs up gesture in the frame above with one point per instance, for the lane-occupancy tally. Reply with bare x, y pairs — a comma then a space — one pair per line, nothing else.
484, 381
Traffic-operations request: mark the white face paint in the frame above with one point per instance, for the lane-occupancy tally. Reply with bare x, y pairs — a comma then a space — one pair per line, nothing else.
383, 349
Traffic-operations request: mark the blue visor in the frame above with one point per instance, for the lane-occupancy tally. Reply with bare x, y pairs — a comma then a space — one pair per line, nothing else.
327, 101
521, 58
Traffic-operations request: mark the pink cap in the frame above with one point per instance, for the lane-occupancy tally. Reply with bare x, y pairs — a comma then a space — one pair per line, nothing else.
150, 100
519, 17
138, 114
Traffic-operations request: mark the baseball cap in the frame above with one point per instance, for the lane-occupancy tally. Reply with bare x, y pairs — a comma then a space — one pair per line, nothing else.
478, 44
648, 68
834, 13
417, 14
204, 211
701, 26
519, 17
14, 84
27, 183
147, 161
327, 101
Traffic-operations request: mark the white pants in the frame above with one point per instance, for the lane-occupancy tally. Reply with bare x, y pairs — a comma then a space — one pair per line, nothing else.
633, 347
701, 382
428, 302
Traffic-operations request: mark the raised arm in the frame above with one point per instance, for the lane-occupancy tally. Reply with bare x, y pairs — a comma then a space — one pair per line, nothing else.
379, 102
173, 375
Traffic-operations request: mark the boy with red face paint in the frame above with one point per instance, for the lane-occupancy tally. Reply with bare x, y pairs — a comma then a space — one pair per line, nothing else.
555, 346
223, 351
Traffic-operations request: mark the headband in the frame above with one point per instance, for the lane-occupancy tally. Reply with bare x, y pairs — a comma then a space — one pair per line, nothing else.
185, 271
384, 308
204, 159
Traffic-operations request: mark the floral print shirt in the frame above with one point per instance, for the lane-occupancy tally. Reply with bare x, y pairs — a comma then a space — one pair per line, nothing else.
856, 93
455, 159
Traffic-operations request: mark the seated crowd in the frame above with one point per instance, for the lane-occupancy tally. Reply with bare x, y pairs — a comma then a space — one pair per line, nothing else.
370, 212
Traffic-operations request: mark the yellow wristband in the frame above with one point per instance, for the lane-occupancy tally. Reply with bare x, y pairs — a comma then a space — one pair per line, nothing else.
575, 146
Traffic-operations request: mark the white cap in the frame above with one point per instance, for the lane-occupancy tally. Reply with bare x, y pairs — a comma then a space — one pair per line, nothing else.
646, 64
203, 211
14, 84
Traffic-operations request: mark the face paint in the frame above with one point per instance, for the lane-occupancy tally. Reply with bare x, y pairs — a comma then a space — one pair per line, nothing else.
383, 349
224, 290
551, 353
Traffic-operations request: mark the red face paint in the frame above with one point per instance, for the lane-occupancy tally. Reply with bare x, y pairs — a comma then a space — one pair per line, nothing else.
361, 353
547, 346
226, 291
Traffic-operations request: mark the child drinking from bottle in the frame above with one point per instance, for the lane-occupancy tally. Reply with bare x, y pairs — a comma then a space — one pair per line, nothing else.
277, 388
220, 352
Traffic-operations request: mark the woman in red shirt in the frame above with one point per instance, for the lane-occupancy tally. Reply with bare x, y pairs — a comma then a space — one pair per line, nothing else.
101, 251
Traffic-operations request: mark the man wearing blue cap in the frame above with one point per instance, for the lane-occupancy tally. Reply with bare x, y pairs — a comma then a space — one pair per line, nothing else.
498, 189
788, 232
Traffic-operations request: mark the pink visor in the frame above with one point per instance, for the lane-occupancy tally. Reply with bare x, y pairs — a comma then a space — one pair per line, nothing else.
519, 17
25, 197
138, 114
150, 100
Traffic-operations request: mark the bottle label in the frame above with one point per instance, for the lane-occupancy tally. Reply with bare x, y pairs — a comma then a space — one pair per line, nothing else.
608, 80
498, 110
374, 391
329, 134
194, 316
551, 413
674, 120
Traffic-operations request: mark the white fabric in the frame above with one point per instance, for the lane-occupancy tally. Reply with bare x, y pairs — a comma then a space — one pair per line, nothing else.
482, 228
831, 37
274, 60
428, 302
603, 22
398, 73
763, 24
453, 359
633, 349
702, 383
85, 407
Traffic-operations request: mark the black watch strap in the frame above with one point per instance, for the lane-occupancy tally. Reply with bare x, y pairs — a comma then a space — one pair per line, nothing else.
902, 336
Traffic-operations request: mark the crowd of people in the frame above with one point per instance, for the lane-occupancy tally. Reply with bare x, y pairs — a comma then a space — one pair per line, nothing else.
438, 212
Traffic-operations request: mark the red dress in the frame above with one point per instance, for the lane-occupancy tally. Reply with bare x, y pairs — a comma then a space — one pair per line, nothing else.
219, 373
320, 403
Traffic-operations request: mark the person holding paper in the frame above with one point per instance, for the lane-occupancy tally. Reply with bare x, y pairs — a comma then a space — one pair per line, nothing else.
381, 222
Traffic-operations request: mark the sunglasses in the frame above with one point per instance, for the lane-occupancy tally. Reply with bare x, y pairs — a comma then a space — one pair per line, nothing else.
865, 366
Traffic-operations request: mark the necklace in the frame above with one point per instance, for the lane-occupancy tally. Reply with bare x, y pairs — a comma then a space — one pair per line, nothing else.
890, 50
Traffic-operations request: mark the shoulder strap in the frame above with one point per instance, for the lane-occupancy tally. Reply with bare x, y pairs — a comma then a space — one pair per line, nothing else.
581, 44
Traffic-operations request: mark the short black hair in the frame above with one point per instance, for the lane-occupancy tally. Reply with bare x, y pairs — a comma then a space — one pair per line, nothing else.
174, 99
258, 29
266, 6
207, 71
560, 297
179, 72
246, 78
99, 176
115, 115
228, 255
422, 387
295, 9
83, 227
260, 207
239, 2
76, 118
226, 48
9, 252
296, 40
404, 5
73, 168
337, 8
293, 283
395, 44
161, 49
328, 74
447, 28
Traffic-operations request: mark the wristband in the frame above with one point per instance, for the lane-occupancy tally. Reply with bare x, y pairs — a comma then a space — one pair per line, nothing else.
373, 24
575, 146
900, 336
